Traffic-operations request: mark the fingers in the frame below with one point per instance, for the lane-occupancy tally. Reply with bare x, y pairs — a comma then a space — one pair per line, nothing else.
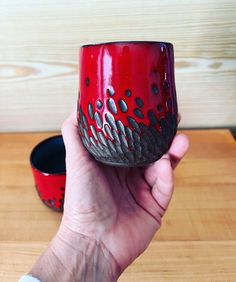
142, 195
176, 152
160, 176
163, 187
75, 151
155, 200
178, 149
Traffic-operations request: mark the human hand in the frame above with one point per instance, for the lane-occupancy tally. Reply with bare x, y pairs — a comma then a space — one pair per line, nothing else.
120, 207
110, 214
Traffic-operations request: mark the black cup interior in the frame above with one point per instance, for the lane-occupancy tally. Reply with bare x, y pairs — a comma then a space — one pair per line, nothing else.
49, 156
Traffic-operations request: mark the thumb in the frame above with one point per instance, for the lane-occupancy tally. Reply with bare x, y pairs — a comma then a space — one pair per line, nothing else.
75, 151
163, 188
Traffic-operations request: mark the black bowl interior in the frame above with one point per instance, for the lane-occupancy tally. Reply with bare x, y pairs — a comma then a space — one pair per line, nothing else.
49, 156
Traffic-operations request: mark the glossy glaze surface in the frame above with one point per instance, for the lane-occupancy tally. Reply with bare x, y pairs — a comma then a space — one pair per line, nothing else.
127, 97
51, 189
48, 166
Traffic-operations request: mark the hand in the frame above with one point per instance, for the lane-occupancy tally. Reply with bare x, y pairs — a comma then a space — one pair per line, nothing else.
120, 207
110, 214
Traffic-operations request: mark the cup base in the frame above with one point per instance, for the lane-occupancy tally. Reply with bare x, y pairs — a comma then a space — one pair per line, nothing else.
126, 164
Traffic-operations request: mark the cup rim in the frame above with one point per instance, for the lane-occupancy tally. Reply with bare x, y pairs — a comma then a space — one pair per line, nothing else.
126, 42
36, 148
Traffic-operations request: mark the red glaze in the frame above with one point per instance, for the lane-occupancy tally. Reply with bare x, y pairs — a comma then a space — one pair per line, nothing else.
47, 161
146, 70
51, 188
122, 66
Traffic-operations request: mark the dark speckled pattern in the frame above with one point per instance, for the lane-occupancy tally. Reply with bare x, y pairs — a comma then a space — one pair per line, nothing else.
99, 104
138, 113
154, 89
110, 119
128, 93
112, 106
110, 91
139, 102
98, 119
90, 111
123, 106
127, 107
152, 118
134, 145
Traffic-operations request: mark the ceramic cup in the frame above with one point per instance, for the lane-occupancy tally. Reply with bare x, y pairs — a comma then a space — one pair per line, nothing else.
48, 165
127, 107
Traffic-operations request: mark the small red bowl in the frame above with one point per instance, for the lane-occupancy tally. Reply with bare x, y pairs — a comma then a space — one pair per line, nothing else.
47, 161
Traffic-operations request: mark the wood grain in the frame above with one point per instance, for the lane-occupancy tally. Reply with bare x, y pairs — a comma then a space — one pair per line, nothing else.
162, 261
197, 241
40, 42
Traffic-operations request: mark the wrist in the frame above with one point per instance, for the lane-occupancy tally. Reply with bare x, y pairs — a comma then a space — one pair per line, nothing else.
75, 257
91, 260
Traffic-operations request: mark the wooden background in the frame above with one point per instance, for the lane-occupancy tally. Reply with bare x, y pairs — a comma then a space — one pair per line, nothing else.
39, 42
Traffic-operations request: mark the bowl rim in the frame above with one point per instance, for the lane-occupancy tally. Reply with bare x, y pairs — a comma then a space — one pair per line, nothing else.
59, 136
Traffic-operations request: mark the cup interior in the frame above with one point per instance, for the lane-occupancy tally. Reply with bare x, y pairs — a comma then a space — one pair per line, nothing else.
49, 156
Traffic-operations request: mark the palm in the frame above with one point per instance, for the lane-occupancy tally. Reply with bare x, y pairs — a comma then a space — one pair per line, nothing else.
136, 222
122, 207
115, 205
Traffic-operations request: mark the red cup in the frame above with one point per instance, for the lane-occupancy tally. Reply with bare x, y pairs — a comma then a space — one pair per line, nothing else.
127, 108
47, 161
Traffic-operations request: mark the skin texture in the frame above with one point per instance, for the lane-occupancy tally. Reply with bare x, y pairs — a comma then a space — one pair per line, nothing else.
112, 213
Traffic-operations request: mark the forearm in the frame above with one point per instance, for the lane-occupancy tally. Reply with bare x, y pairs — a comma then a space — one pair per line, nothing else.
74, 257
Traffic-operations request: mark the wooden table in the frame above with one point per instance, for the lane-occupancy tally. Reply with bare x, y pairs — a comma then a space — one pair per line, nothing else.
197, 241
